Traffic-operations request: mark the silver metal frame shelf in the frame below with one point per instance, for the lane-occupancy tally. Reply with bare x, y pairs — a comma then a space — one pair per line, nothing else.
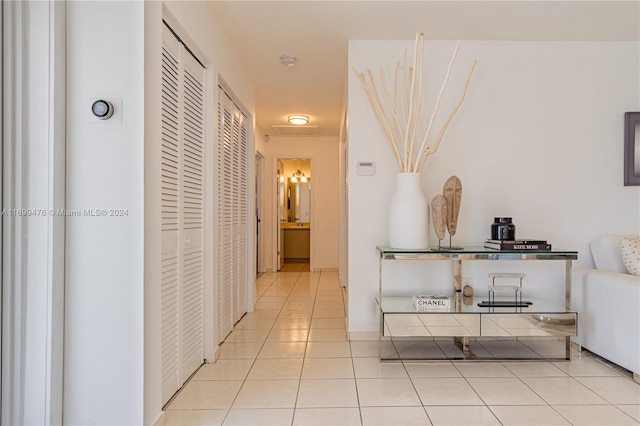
476, 253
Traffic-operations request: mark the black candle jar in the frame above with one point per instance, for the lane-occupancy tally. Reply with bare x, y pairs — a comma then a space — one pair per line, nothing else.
503, 229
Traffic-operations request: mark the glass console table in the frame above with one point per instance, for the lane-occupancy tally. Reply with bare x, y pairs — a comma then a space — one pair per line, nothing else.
465, 319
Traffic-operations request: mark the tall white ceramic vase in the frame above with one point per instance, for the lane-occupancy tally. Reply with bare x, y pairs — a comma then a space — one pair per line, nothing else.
408, 214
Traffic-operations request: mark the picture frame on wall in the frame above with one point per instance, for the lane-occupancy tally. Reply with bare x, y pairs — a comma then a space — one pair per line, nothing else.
631, 148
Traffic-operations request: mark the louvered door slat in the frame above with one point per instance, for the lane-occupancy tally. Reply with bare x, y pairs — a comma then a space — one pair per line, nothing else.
182, 210
243, 260
225, 202
192, 216
170, 183
235, 176
232, 215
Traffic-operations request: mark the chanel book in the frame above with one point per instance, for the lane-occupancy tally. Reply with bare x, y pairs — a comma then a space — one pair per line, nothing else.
428, 302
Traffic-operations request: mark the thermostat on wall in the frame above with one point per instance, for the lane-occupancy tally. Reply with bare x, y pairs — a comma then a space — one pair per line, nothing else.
366, 168
102, 109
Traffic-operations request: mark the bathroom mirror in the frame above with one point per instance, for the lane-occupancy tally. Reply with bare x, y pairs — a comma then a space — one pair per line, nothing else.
294, 190
298, 201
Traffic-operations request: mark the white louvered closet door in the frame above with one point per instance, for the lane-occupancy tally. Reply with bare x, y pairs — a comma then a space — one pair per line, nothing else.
182, 215
225, 217
240, 217
232, 215
192, 215
344, 225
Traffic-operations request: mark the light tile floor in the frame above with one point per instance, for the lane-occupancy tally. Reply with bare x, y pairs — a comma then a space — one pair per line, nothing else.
289, 363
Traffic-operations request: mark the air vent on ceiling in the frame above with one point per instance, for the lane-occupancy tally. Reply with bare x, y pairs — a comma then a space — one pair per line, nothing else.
296, 130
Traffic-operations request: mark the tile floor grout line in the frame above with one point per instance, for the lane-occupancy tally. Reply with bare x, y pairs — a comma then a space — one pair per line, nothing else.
190, 379
257, 355
561, 415
424, 407
494, 415
520, 378
355, 378
254, 360
547, 402
304, 355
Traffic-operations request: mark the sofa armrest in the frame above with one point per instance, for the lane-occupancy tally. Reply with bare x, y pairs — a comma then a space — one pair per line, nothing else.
614, 280
613, 288
608, 307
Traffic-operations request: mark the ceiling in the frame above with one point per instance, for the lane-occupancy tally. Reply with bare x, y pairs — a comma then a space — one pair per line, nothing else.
317, 32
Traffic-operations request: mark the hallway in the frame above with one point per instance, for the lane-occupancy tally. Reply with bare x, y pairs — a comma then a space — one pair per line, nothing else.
295, 267
289, 362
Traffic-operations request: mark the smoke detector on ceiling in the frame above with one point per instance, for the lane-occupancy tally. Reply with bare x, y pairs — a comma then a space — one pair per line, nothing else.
288, 60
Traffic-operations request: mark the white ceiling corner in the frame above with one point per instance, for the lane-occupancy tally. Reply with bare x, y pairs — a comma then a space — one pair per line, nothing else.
316, 32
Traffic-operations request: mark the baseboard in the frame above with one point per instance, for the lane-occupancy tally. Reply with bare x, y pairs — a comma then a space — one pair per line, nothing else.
216, 355
160, 420
355, 336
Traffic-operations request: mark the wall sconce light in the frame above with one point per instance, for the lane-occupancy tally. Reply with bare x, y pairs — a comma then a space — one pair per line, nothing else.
298, 119
298, 177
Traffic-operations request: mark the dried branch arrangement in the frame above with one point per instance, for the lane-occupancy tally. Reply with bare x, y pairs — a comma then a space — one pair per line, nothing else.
398, 113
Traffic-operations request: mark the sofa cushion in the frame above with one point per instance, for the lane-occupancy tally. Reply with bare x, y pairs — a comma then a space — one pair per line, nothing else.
630, 251
606, 253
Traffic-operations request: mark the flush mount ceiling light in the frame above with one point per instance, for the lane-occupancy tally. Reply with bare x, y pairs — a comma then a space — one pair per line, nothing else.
298, 119
288, 60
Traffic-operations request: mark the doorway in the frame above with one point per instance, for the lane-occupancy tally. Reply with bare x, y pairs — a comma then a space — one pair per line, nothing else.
259, 160
294, 189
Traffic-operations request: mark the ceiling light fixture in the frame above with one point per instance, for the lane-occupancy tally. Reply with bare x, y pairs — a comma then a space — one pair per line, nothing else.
298, 119
288, 60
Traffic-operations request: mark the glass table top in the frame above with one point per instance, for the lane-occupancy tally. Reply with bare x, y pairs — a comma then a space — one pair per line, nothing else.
404, 305
474, 252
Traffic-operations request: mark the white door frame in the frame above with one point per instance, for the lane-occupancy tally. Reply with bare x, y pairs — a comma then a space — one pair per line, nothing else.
276, 222
33, 166
343, 245
277, 240
259, 211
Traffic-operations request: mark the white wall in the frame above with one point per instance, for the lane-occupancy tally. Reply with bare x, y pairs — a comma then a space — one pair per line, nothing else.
539, 138
104, 335
325, 179
112, 341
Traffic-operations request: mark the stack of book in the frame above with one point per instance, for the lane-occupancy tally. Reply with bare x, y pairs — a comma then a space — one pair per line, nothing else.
428, 302
533, 245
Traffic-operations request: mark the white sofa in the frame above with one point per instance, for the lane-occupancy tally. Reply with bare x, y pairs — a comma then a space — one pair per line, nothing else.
607, 300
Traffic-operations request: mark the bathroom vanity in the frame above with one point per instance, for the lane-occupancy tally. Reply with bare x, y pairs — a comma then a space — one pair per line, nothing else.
296, 241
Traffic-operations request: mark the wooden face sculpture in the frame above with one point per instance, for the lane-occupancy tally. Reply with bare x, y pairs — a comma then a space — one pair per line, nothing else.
439, 215
452, 192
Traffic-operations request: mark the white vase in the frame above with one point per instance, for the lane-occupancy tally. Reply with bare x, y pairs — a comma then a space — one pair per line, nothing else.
408, 214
